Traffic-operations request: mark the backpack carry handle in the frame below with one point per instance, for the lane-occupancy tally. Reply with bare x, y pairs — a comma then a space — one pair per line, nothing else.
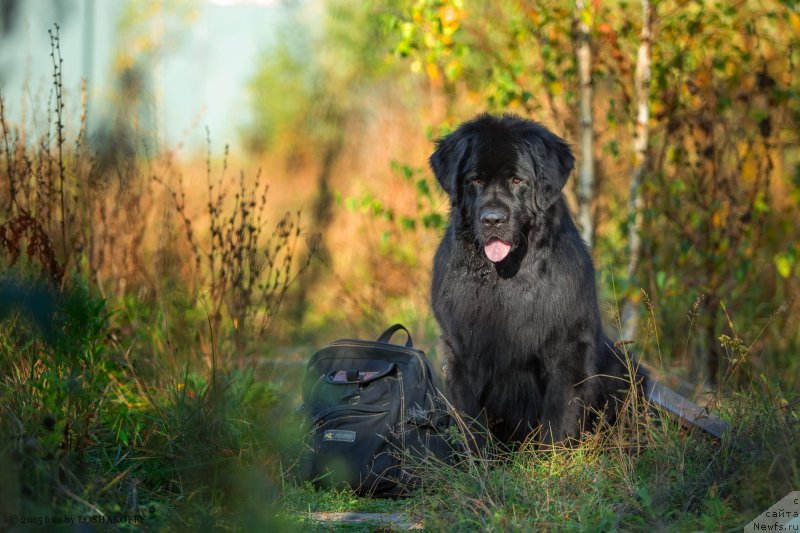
391, 331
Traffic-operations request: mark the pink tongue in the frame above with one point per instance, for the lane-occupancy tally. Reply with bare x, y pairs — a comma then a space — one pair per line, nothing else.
496, 250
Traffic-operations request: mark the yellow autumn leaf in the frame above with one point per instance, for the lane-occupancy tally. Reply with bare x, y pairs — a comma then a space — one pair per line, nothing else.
586, 17
749, 170
432, 70
123, 62
448, 15
794, 20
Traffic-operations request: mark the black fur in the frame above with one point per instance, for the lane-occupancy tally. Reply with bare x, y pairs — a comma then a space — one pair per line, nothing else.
523, 337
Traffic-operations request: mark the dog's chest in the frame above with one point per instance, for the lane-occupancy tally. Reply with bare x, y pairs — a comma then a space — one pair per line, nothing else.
487, 314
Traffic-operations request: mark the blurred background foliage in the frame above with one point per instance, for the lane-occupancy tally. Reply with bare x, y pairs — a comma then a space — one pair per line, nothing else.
720, 193
188, 283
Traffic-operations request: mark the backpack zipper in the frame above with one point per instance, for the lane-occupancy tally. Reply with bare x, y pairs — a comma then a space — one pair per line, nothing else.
355, 343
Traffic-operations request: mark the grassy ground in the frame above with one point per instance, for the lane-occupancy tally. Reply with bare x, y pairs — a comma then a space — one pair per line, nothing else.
107, 424
673, 480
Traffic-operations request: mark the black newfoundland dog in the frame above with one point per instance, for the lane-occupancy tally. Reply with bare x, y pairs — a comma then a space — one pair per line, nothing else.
514, 289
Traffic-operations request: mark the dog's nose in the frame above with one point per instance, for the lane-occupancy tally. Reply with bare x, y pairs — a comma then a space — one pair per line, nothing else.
493, 217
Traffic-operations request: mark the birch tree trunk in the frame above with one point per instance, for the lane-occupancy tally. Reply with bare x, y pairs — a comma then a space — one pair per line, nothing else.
586, 175
630, 311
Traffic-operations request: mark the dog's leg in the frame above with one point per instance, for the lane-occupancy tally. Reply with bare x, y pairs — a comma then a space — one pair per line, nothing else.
562, 411
472, 419
463, 391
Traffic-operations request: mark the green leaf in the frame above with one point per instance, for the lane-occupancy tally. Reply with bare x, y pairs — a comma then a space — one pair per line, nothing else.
423, 189
759, 204
783, 264
433, 220
122, 436
661, 279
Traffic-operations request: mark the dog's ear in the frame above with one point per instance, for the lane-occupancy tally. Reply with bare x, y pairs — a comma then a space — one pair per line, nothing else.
447, 159
553, 161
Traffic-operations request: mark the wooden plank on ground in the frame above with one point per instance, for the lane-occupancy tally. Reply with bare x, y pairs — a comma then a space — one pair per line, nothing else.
687, 412
398, 520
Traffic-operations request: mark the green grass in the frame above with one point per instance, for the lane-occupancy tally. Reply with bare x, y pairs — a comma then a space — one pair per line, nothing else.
673, 480
92, 424
98, 417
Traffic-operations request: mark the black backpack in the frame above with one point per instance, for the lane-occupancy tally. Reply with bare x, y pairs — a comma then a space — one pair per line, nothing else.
376, 416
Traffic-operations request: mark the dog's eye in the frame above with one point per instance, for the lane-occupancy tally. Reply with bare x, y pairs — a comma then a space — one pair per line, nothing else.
476, 180
515, 180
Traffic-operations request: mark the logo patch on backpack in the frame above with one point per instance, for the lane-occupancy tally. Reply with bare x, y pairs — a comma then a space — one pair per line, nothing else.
339, 435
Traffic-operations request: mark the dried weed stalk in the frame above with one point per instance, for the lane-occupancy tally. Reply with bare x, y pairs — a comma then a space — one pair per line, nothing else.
244, 271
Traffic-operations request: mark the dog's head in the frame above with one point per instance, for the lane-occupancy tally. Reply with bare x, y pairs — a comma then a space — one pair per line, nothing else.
501, 174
